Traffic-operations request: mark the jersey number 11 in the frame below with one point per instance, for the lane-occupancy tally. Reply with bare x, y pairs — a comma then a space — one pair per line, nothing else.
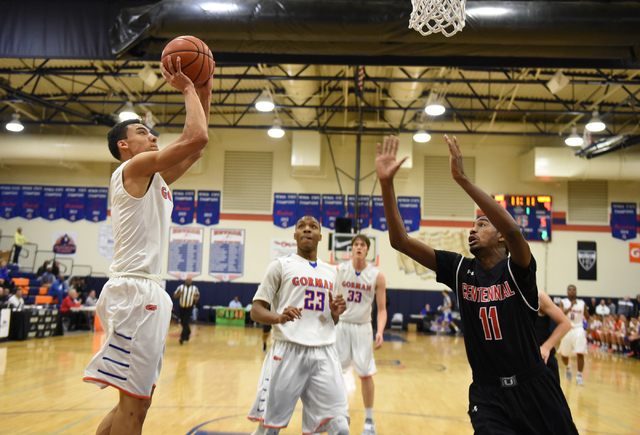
493, 315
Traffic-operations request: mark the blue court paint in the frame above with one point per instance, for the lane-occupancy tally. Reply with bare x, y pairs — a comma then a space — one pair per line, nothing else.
195, 430
394, 337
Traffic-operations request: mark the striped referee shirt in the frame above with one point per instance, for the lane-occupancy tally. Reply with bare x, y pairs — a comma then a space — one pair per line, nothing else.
187, 294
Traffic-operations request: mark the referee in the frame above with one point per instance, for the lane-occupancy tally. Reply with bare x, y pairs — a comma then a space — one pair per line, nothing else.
189, 296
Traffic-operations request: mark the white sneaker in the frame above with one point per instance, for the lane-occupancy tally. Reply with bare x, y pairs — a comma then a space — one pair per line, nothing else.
369, 428
568, 372
579, 380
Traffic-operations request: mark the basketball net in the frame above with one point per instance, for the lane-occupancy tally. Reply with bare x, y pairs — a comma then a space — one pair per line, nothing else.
433, 16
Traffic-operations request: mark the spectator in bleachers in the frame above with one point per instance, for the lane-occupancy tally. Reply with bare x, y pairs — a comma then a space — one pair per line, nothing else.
4, 295
42, 269
91, 300
16, 302
48, 277
235, 303
5, 277
602, 309
58, 289
634, 338
592, 308
55, 268
612, 306
625, 307
18, 241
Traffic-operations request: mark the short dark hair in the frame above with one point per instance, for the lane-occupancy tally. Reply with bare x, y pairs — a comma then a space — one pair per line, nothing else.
362, 237
117, 133
312, 217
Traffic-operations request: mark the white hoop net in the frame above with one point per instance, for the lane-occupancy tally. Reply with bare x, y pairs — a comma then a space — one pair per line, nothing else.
433, 16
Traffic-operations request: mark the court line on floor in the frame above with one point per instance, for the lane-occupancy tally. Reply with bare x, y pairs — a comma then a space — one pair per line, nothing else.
40, 385
83, 419
195, 429
609, 418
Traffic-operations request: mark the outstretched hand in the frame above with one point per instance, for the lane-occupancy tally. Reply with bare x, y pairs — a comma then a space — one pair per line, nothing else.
455, 158
208, 85
174, 75
386, 163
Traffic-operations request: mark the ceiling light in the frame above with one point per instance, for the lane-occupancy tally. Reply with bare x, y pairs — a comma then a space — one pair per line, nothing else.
265, 103
128, 112
434, 108
276, 131
421, 135
596, 123
219, 7
573, 140
487, 11
15, 124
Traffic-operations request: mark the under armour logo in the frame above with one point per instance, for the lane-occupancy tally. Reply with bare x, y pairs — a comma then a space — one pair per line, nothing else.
475, 409
470, 272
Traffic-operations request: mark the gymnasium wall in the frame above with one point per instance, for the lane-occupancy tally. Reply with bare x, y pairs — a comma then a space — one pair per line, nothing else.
497, 171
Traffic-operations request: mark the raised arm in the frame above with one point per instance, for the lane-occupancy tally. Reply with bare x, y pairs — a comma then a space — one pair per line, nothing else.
499, 217
386, 167
550, 309
381, 299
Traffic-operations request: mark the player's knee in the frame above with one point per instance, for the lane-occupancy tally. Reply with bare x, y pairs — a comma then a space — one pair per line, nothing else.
338, 426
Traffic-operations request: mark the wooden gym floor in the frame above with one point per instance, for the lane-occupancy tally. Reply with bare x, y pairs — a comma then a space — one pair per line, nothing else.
208, 385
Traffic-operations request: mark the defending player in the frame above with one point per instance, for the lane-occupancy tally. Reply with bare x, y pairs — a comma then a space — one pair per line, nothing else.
513, 391
576, 340
546, 339
303, 361
133, 308
359, 283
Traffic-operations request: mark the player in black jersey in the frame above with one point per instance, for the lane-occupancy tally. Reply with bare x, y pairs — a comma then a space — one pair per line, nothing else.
513, 392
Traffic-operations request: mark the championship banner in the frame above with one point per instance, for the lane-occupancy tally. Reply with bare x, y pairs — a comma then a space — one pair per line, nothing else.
183, 206
332, 208
96, 204
409, 207
52, 202
587, 261
185, 251
284, 209
65, 243
208, 208
624, 224
106, 242
74, 199
308, 205
363, 216
31, 201
378, 218
226, 254
10, 201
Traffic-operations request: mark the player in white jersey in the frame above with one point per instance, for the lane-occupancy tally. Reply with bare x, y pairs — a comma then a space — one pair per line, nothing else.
359, 282
133, 308
576, 340
302, 362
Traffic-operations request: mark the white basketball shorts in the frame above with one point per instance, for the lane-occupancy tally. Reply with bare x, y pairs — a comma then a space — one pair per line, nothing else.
291, 371
574, 342
354, 342
135, 314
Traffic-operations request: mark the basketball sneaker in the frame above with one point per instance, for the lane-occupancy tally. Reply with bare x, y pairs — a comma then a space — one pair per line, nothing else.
579, 380
369, 427
568, 373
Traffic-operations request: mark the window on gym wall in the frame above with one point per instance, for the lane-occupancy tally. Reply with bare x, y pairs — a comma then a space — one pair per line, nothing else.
588, 202
247, 181
443, 197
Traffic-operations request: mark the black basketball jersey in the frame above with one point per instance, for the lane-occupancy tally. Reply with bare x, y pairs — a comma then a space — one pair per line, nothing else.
498, 308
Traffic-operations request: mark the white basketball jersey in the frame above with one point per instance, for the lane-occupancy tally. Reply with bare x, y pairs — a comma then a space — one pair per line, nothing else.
576, 315
293, 281
358, 289
140, 225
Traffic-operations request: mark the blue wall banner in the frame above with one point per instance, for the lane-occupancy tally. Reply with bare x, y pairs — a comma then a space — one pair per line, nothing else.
183, 206
332, 208
52, 202
10, 201
97, 198
74, 203
31, 201
409, 207
185, 251
309, 205
208, 208
364, 209
284, 209
624, 224
378, 218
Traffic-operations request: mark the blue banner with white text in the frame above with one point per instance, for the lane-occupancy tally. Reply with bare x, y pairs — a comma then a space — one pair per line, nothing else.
363, 211
52, 202
624, 224
378, 218
208, 208
74, 200
284, 209
309, 205
10, 201
409, 207
31, 201
183, 206
332, 208
96, 204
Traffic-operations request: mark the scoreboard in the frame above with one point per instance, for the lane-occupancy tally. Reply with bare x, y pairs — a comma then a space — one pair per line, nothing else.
532, 213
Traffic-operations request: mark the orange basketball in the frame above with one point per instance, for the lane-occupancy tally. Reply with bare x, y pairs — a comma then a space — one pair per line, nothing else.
195, 58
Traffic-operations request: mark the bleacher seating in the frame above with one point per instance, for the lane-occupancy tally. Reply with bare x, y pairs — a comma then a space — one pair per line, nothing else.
21, 282
44, 300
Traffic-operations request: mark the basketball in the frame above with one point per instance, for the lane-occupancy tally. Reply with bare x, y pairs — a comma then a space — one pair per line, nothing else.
195, 58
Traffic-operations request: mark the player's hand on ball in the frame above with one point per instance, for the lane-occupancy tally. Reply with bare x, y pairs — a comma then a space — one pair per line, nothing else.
379, 339
174, 76
290, 314
337, 304
207, 85
386, 163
